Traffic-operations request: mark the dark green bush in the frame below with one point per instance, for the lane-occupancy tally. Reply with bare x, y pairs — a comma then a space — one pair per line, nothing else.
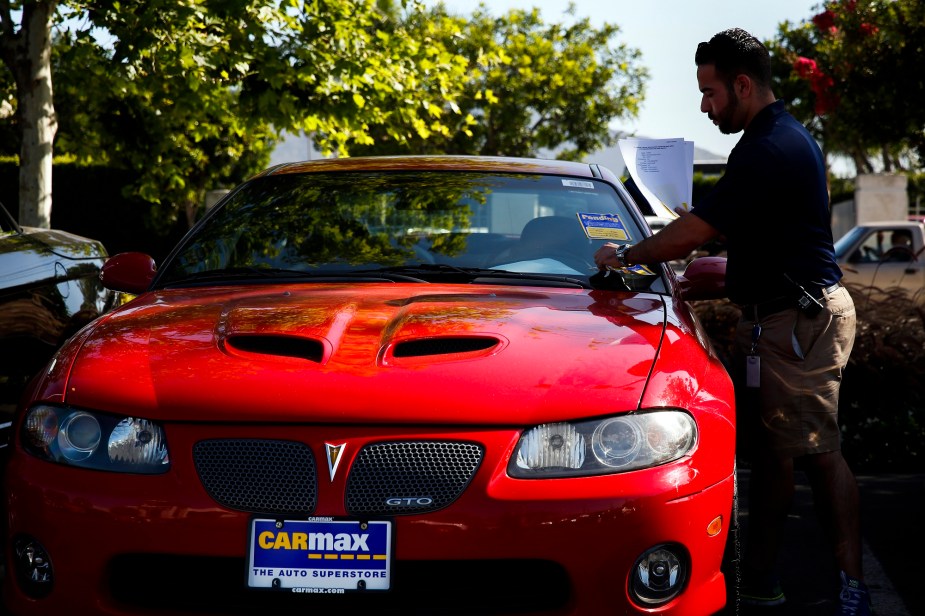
90, 201
882, 405
883, 393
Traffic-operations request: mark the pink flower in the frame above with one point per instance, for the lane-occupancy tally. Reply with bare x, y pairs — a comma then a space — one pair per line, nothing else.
825, 21
805, 67
826, 98
868, 29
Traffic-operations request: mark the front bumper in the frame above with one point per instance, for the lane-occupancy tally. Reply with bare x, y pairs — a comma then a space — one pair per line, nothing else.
126, 544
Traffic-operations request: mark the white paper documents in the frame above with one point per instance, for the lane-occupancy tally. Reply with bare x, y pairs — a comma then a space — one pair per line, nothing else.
663, 169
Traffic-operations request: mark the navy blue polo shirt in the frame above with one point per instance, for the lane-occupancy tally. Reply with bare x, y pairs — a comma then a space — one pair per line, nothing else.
772, 206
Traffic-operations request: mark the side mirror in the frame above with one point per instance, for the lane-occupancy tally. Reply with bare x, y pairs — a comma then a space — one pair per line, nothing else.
131, 272
704, 278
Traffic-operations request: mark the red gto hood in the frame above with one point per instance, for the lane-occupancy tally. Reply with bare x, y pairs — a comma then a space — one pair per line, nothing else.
367, 353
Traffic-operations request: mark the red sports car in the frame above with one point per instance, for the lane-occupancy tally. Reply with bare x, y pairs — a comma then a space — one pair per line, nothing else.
389, 386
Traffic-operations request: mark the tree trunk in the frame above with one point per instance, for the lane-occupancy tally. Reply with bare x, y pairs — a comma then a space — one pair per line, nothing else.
32, 71
887, 161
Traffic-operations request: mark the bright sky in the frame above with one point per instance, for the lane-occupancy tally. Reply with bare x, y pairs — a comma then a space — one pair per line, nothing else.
667, 33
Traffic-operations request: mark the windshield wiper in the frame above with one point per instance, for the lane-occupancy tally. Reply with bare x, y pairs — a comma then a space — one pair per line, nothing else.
418, 273
432, 268
444, 272
269, 274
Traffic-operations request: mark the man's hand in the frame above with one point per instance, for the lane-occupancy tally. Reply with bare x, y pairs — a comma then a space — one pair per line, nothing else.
606, 256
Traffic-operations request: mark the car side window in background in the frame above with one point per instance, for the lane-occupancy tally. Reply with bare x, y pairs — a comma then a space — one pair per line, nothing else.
900, 249
883, 245
872, 248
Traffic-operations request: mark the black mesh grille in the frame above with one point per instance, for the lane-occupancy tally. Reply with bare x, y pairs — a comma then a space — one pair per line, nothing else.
259, 476
410, 477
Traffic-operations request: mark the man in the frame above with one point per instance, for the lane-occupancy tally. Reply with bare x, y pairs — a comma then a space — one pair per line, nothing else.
798, 323
900, 247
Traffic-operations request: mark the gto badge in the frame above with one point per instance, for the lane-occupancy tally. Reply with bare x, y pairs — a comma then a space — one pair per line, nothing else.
412, 501
333, 454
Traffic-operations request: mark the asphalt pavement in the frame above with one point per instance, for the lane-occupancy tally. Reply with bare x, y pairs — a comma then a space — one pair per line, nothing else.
892, 521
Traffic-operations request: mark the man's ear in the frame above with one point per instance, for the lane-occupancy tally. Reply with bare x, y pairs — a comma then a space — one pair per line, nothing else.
742, 85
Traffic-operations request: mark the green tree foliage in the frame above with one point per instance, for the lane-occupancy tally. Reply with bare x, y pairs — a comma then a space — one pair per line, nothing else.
854, 74
186, 92
530, 86
343, 66
190, 95
233, 69
178, 136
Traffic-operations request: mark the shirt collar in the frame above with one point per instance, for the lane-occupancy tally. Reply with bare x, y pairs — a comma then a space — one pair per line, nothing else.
765, 118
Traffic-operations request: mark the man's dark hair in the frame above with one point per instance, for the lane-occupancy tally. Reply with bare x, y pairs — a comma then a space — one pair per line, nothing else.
736, 52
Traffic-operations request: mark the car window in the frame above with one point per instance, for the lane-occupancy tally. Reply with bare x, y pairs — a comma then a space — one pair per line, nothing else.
356, 222
900, 247
882, 244
871, 249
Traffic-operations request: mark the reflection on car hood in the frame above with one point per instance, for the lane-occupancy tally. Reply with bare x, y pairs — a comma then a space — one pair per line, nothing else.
63, 244
46, 256
406, 353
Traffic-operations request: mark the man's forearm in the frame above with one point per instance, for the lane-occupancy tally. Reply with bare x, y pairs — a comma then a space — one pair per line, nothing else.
675, 241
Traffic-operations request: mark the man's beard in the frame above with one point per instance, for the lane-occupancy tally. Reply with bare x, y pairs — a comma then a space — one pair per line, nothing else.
726, 119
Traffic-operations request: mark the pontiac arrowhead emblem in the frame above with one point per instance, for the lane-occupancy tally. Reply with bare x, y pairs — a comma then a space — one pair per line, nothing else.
333, 455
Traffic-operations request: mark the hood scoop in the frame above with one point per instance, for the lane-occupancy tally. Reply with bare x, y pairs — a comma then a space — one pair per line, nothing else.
277, 346
444, 348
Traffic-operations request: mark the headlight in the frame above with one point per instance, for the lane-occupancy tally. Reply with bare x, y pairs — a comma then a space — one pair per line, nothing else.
87, 439
610, 445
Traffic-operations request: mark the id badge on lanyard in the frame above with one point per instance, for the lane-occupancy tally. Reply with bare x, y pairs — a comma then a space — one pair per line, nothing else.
752, 361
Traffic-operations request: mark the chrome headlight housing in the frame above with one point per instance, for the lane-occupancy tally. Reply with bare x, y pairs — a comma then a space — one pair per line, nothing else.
614, 444
88, 439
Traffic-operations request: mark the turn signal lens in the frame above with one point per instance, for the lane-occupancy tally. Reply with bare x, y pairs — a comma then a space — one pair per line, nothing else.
551, 445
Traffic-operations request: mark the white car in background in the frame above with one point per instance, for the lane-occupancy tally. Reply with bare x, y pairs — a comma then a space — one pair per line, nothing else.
883, 255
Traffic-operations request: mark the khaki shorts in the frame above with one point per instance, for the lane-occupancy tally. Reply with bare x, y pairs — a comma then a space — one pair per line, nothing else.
794, 410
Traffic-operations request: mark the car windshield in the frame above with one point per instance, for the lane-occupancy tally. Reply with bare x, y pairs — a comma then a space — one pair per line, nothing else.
421, 226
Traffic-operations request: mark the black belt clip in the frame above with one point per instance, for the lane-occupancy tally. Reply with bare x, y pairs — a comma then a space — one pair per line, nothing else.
810, 302
809, 305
